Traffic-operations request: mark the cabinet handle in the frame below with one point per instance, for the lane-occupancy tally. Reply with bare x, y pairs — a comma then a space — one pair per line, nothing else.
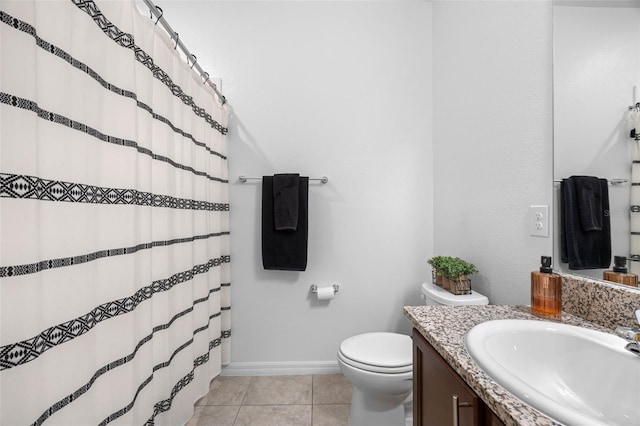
456, 409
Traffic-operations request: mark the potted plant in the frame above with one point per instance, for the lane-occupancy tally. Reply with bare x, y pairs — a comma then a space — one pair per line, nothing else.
453, 273
438, 263
457, 271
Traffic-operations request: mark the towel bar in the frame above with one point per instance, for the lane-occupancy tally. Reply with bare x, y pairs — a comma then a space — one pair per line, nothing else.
613, 181
243, 179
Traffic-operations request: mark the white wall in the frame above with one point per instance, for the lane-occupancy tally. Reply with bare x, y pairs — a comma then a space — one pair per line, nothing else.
341, 89
597, 63
492, 138
345, 89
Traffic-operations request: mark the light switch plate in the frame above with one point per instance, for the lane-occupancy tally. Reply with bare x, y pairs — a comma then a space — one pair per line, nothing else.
539, 221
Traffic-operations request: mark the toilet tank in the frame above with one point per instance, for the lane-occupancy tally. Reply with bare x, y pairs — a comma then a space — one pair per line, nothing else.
434, 295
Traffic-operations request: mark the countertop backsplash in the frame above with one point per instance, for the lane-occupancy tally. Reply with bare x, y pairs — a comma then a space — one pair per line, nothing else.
599, 302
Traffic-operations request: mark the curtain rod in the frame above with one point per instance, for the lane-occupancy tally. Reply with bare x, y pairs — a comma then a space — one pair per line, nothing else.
244, 179
157, 11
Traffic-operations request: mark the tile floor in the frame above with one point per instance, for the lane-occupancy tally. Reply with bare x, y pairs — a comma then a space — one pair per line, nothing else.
308, 400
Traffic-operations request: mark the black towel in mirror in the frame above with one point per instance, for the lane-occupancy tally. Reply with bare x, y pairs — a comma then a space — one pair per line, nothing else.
589, 197
585, 228
284, 249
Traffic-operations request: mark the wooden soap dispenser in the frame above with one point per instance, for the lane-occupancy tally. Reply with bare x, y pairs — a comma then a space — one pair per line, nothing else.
546, 291
619, 273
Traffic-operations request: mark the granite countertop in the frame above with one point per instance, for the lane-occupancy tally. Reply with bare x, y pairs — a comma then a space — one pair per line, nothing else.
444, 328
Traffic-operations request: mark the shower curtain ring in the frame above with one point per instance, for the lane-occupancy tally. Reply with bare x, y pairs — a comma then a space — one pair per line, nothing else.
177, 38
194, 60
159, 16
206, 79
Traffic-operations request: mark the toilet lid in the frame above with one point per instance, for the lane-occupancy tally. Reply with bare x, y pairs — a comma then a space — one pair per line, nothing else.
389, 351
444, 297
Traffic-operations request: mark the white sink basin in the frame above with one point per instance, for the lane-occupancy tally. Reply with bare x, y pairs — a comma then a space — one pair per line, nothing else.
577, 376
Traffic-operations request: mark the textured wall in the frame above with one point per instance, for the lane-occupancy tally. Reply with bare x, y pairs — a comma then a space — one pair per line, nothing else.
345, 89
341, 89
492, 138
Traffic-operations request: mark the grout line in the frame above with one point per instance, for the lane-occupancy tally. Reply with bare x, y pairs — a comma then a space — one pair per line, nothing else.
246, 391
235, 420
313, 379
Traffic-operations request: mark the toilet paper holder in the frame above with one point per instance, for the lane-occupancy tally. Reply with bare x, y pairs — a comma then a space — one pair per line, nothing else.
314, 288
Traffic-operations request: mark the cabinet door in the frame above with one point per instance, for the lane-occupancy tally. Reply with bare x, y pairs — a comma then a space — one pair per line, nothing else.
437, 390
490, 419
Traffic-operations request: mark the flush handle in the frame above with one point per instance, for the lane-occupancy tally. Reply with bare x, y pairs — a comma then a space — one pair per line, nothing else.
456, 409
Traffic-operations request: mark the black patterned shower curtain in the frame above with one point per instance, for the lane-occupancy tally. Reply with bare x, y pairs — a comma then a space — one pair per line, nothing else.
114, 250
634, 266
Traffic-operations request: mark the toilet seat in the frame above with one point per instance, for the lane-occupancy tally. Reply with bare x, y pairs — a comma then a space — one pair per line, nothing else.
389, 353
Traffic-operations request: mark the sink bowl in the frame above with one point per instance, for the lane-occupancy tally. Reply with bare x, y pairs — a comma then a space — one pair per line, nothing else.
574, 375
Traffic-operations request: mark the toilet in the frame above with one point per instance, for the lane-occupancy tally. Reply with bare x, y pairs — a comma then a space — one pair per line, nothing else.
379, 365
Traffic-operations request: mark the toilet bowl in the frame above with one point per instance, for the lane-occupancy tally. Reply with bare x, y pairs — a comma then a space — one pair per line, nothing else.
380, 367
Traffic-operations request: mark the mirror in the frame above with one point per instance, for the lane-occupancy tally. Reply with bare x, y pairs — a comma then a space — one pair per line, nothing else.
596, 66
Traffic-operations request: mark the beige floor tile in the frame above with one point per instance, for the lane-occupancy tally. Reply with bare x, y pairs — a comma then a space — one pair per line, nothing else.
275, 400
331, 389
278, 390
274, 415
214, 416
226, 391
331, 415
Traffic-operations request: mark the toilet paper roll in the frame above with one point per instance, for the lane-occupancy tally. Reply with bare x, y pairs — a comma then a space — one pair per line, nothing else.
326, 293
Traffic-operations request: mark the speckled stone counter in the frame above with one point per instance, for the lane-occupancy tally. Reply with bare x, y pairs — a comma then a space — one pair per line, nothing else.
600, 302
444, 328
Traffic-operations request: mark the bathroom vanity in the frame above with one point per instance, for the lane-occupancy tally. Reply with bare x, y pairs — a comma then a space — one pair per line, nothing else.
441, 396
443, 368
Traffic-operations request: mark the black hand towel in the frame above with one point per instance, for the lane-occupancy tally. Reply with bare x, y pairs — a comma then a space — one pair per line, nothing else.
582, 245
284, 250
589, 196
285, 201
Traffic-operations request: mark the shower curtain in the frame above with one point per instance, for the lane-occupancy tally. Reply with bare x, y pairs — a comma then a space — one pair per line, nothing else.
634, 266
633, 129
114, 250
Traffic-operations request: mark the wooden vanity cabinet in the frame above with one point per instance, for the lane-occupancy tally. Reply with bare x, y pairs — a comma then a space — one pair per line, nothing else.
436, 386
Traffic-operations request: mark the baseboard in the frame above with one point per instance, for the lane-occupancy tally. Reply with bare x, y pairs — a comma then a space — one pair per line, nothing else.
280, 368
